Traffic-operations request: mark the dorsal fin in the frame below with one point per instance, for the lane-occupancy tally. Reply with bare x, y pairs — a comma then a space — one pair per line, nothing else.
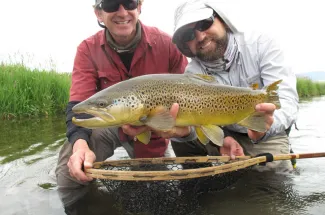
272, 94
202, 77
272, 87
254, 86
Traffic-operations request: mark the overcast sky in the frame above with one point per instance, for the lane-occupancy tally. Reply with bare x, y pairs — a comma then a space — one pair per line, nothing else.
44, 31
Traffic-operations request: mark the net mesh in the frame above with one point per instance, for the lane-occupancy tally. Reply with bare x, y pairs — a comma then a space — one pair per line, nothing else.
165, 196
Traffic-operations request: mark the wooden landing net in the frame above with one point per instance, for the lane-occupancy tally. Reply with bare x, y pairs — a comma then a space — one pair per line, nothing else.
158, 169
161, 186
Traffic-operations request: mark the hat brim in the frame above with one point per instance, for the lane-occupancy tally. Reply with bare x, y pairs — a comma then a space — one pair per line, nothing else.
190, 17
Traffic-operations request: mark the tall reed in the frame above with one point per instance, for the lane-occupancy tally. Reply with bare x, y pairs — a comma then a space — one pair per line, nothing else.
32, 92
307, 88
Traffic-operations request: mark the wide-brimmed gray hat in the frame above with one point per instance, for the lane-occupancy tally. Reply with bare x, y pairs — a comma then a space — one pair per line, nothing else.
186, 13
193, 11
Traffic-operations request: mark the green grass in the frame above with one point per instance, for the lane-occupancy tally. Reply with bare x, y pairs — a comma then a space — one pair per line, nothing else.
27, 92
307, 88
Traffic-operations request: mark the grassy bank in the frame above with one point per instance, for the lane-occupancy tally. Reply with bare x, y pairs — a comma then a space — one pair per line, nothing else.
27, 92
307, 88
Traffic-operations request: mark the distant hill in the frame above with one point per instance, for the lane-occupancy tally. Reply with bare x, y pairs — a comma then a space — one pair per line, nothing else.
315, 76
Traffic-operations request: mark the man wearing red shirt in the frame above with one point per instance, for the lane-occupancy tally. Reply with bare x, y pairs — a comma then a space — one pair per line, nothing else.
125, 48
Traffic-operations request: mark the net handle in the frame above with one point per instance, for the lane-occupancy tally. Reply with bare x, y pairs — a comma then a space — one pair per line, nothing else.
298, 156
189, 173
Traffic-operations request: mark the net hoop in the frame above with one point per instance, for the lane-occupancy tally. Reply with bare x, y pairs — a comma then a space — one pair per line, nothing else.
227, 165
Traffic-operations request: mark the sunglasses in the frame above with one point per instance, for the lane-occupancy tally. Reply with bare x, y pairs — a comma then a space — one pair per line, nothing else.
110, 6
203, 25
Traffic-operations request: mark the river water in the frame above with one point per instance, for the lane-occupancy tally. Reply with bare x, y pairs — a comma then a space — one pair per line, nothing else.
29, 151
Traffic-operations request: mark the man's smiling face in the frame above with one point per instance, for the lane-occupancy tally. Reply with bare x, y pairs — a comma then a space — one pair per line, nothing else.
211, 44
121, 24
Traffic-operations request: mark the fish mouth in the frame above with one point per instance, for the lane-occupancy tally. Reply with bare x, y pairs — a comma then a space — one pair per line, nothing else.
101, 118
94, 122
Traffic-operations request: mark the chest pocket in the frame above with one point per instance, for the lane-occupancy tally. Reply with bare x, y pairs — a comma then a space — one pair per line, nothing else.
107, 79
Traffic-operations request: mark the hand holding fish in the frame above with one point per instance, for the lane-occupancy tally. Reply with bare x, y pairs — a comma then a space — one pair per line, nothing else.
82, 156
267, 109
174, 132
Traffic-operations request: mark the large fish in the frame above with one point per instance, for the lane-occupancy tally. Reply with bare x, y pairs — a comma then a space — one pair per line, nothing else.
204, 104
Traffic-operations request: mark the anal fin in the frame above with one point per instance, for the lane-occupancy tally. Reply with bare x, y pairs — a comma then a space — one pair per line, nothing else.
214, 133
201, 136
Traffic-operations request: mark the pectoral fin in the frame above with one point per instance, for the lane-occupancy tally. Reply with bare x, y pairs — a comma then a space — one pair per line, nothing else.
144, 137
160, 119
201, 136
254, 122
214, 133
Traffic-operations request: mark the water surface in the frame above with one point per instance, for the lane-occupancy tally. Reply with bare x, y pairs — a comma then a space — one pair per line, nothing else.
29, 150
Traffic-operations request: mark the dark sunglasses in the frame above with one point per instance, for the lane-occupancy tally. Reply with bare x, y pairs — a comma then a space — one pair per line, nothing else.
203, 25
110, 6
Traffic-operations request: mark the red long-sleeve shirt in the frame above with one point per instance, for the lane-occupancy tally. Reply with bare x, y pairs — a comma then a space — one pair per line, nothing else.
98, 66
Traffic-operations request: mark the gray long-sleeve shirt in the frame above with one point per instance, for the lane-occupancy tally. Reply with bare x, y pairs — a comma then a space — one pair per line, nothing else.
259, 60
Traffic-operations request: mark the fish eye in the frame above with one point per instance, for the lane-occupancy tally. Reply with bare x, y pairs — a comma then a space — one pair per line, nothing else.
102, 104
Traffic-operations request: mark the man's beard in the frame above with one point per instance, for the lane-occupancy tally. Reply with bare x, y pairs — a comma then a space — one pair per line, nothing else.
215, 54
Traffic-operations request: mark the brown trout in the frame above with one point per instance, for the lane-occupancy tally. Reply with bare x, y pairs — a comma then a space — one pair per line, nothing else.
204, 104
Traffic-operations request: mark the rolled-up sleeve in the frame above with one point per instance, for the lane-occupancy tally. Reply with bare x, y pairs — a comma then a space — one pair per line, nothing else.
273, 67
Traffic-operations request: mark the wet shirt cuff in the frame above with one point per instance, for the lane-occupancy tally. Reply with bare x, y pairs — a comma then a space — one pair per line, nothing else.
78, 135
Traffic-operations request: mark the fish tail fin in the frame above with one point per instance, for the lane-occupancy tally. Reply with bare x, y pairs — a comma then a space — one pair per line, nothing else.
254, 122
272, 95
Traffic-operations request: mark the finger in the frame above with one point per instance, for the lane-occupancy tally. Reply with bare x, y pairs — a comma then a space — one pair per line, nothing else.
265, 107
231, 144
174, 110
76, 170
69, 168
233, 149
269, 120
239, 151
228, 140
89, 159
